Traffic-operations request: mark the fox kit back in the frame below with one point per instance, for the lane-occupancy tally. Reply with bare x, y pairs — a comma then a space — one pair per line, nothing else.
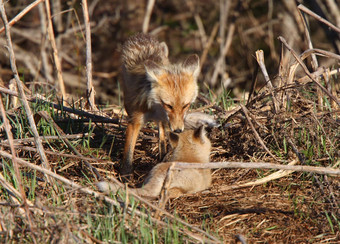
154, 90
191, 146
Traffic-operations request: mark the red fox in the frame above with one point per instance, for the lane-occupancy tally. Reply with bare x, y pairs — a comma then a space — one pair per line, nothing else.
192, 146
154, 90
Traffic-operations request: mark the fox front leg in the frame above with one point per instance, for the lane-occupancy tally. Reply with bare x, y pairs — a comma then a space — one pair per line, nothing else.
161, 142
132, 131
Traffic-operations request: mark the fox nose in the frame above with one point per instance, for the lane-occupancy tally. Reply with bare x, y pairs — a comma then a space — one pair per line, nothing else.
178, 130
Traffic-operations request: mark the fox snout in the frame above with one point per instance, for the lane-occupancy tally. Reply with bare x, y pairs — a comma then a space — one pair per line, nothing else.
176, 122
176, 127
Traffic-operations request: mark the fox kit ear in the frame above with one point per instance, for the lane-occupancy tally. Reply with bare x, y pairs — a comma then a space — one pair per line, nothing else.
173, 139
164, 49
192, 65
199, 134
152, 70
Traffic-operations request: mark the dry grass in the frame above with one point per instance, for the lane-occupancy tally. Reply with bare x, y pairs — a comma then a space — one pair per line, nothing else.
289, 116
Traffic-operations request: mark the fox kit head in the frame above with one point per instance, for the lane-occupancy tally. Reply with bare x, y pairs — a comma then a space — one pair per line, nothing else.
174, 87
191, 146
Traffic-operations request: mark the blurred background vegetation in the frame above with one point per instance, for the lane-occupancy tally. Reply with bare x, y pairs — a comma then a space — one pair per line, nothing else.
193, 26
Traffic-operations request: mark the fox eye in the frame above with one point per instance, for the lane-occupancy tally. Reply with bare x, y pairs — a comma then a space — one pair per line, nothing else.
168, 106
186, 106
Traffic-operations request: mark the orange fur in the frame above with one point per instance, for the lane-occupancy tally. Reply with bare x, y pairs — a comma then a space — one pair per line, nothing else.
155, 90
191, 146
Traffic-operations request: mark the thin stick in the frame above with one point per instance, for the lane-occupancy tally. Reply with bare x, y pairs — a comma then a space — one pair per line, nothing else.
245, 111
209, 43
48, 118
319, 18
14, 191
147, 16
65, 155
22, 93
55, 50
166, 187
58, 20
309, 41
219, 65
97, 195
95, 117
90, 92
22, 14
43, 48
47, 138
260, 61
199, 22
274, 176
303, 56
253, 82
15, 197
315, 64
257, 165
307, 71
14, 159
201, 30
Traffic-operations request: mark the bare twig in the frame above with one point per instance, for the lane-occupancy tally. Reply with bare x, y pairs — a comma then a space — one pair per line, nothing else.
333, 7
319, 72
309, 41
245, 111
253, 82
270, 21
166, 186
90, 92
257, 165
95, 194
43, 49
55, 50
56, 153
94, 117
22, 93
22, 14
199, 22
224, 13
219, 66
29, 59
260, 61
147, 16
12, 86
315, 64
15, 196
58, 20
307, 71
316, 74
274, 176
208, 45
14, 159
30, 139
48, 118
319, 18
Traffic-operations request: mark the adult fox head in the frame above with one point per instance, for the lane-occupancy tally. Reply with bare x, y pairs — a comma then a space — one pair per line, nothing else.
174, 87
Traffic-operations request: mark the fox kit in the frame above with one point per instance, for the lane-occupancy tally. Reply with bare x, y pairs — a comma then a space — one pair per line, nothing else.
192, 146
154, 90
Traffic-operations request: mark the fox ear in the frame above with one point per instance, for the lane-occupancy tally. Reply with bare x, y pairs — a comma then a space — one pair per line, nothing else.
174, 138
152, 70
192, 65
164, 49
199, 134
